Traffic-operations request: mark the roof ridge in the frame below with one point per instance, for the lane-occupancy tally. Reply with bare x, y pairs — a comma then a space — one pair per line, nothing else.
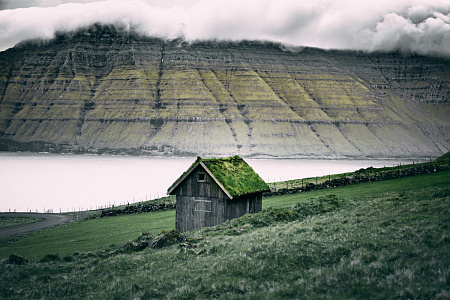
233, 174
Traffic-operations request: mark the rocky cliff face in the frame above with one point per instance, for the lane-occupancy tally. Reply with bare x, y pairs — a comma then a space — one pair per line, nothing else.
99, 90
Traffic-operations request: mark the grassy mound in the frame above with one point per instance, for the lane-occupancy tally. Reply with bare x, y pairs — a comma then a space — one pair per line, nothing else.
272, 215
443, 159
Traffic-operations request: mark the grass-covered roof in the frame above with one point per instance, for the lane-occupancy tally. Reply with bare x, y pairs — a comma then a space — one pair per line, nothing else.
235, 175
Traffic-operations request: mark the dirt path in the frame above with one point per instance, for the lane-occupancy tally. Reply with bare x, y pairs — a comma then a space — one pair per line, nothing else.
51, 220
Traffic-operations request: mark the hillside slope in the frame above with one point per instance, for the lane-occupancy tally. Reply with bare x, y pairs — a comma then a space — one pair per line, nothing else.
100, 90
377, 240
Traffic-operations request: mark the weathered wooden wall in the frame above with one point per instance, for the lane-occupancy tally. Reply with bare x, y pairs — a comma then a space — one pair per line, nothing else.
199, 204
238, 207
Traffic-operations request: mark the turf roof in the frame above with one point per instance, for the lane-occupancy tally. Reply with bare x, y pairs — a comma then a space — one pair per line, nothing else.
236, 176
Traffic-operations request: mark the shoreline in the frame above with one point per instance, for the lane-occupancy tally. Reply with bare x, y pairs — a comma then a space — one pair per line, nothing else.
425, 158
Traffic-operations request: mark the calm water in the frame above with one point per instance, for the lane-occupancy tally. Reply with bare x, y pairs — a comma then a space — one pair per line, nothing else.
41, 181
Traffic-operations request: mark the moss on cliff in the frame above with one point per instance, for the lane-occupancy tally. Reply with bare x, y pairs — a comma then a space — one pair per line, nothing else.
106, 90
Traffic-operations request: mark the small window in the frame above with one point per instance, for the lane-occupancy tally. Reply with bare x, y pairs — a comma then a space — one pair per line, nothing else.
201, 177
202, 205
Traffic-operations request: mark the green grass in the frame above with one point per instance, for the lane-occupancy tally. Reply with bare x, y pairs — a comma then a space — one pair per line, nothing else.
88, 235
98, 234
439, 179
442, 161
374, 240
13, 221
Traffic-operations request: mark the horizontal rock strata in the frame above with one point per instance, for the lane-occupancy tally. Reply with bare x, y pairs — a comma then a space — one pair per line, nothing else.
101, 90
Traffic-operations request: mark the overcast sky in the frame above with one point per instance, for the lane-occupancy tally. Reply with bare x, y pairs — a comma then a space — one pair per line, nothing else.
419, 26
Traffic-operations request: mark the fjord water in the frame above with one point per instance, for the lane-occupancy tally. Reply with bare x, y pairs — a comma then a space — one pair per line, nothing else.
42, 181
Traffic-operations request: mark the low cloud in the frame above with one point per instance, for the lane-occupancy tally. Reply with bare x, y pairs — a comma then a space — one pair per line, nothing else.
420, 26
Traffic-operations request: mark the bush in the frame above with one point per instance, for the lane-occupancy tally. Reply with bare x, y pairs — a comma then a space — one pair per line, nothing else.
51, 257
17, 259
68, 258
167, 238
138, 244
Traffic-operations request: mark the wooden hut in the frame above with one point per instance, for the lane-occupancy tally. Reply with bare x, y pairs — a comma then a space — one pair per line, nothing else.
214, 190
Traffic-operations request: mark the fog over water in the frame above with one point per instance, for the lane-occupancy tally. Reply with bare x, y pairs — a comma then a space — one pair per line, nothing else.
32, 181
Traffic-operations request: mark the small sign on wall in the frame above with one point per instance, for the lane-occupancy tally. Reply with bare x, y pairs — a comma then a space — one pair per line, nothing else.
202, 205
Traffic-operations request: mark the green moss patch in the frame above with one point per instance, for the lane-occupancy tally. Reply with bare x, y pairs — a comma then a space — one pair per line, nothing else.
236, 175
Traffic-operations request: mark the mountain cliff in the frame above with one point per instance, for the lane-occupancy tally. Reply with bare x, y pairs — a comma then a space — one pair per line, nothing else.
103, 90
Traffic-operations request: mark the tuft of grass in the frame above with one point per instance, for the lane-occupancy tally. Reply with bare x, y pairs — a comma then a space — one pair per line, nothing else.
50, 257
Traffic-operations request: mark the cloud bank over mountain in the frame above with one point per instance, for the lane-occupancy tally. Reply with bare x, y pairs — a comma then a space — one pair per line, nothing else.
414, 26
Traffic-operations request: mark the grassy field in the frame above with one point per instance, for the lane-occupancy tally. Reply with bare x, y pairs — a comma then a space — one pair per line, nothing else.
442, 161
88, 235
441, 179
387, 239
13, 221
